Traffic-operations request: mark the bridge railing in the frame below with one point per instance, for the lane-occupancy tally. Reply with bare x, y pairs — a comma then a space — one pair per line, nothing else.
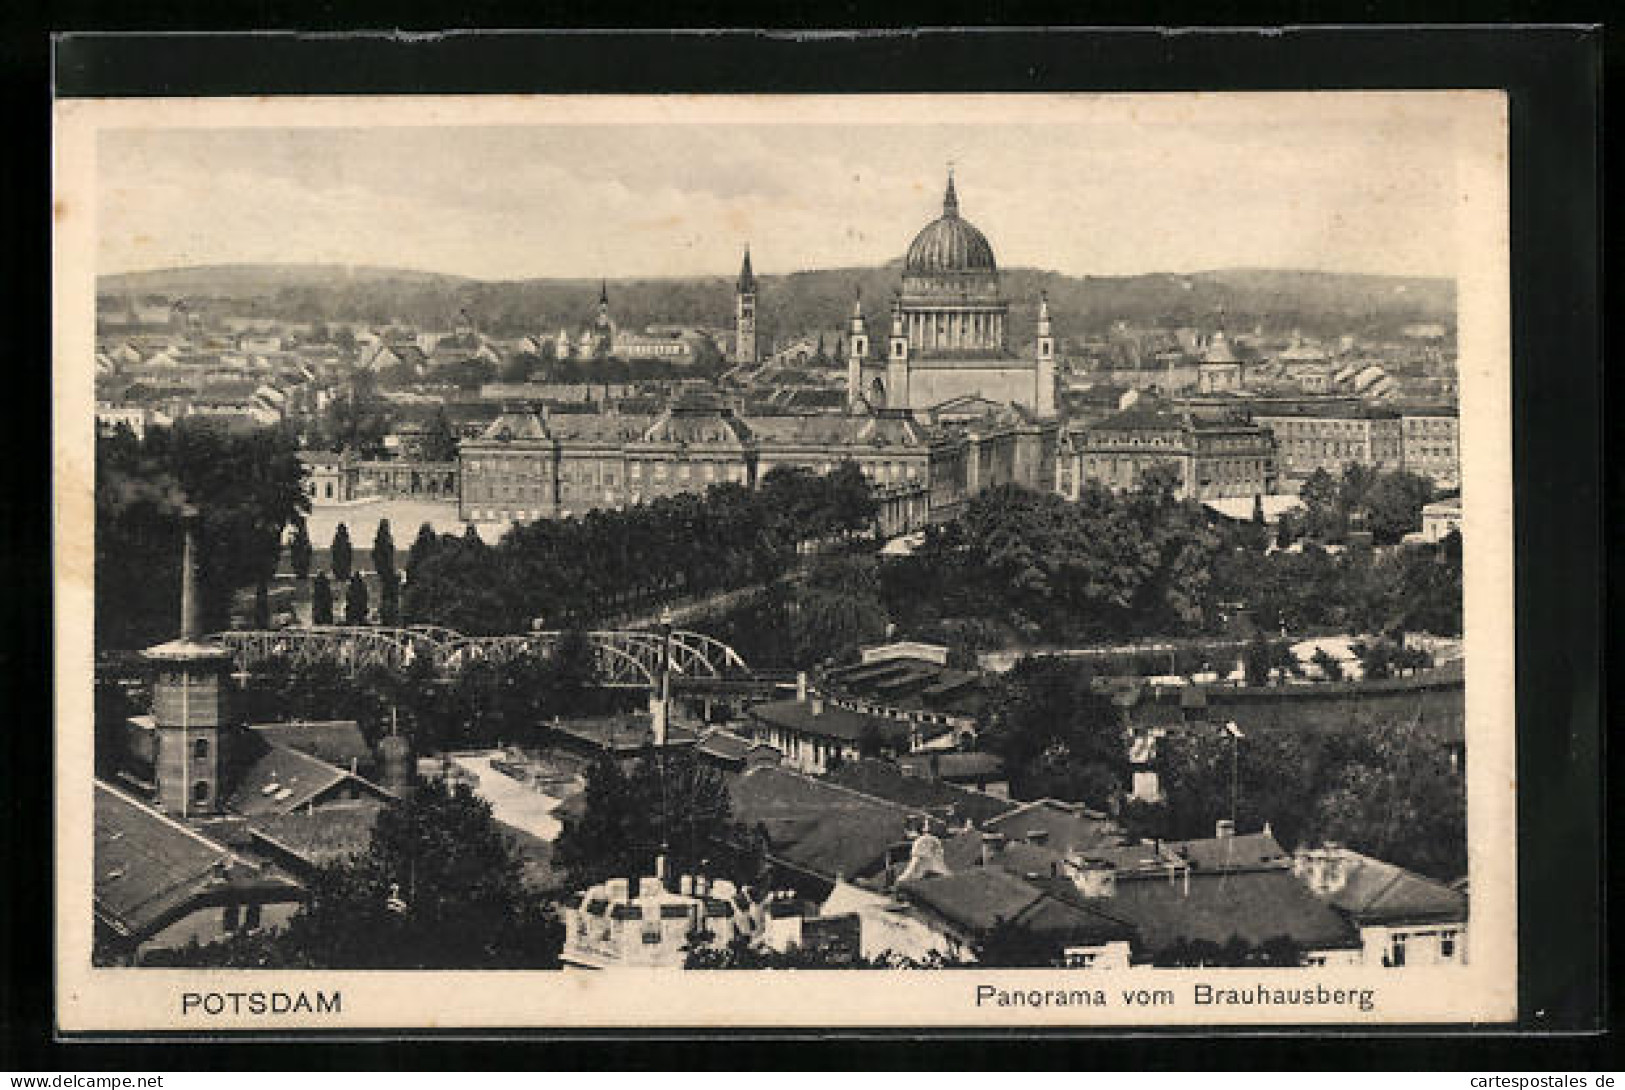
629, 658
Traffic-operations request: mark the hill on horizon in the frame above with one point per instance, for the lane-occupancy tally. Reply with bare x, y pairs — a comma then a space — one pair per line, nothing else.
1316, 302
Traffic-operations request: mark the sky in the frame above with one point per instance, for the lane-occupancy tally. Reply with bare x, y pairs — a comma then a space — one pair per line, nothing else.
1355, 191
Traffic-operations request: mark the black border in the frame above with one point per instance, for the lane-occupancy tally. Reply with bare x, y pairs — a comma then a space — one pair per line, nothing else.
1553, 75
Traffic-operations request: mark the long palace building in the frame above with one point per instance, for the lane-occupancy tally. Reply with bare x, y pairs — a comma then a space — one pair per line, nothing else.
938, 413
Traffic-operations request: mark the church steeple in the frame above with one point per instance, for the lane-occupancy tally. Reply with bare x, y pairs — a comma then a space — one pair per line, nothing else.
950, 199
745, 347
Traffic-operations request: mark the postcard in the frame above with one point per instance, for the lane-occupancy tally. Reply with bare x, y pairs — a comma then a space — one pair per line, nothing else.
960, 561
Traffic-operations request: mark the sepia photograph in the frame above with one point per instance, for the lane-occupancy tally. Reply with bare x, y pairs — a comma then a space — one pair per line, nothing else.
753, 560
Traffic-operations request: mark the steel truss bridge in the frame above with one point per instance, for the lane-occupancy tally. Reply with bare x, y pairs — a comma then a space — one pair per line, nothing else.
621, 659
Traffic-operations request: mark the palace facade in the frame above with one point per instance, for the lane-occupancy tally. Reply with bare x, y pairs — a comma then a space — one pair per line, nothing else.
531, 464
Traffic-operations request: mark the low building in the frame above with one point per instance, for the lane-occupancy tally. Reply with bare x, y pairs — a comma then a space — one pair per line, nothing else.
1403, 918
1178, 899
650, 923
110, 416
1441, 518
912, 684
973, 904
161, 885
329, 477
815, 735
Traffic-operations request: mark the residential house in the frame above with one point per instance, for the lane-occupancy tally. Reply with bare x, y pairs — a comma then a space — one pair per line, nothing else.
1404, 919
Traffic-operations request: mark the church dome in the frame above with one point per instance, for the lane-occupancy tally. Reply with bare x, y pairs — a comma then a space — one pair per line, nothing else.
950, 244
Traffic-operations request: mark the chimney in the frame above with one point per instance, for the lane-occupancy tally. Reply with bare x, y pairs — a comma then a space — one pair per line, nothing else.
1224, 829
1038, 836
818, 704
191, 598
801, 687
992, 844
660, 870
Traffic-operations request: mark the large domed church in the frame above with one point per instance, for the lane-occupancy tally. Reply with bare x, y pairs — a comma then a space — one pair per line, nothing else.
949, 335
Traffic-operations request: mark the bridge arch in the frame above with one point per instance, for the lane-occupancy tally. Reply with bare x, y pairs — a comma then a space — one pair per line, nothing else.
621, 658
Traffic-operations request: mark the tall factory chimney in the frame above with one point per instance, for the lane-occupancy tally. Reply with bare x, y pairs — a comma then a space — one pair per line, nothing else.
190, 708
191, 598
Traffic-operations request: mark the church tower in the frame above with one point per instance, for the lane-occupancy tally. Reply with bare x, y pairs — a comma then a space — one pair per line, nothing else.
1044, 373
897, 360
189, 703
745, 314
857, 354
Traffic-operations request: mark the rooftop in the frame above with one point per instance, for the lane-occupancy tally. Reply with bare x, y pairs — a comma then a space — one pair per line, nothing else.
818, 826
1376, 892
339, 742
281, 780
979, 899
1254, 905
148, 867
320, 836
885, 780
828, 721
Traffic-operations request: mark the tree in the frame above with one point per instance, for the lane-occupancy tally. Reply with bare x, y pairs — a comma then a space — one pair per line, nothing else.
389, 599
1256, 661
1323, 517
1394, 503
355, 600
246, 488
423, 547
341, 553
262, 606
439, 887
1376, 659
1400, 797
670, 803
1209, 774
518, 367
1057, 734
321, 600
300, 551
1330, 668
439, 442
355, 420
383, 550
1008, 945
1281, 951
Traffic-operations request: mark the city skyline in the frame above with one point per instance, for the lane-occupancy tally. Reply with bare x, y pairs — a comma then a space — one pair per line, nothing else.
1365, 188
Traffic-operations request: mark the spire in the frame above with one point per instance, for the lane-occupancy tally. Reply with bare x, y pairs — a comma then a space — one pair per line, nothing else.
603, 293
747, 278
950, 199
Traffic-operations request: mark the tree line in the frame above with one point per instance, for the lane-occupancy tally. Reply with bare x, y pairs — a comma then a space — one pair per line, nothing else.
1395, 790
1025, 566
607, 564
247, 487
483, 704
